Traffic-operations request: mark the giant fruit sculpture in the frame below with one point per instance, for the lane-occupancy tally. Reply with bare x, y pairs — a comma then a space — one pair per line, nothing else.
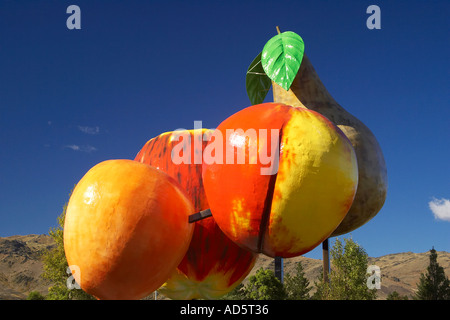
126, 229
306, 170
213, 264
301, 87
292, 208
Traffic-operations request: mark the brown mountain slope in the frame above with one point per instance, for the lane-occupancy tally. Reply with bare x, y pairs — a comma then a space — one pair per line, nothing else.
401, 271
21, 267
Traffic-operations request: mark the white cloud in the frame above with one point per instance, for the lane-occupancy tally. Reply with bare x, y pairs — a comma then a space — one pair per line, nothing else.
85, 148
440, 208
73, 147
89, 130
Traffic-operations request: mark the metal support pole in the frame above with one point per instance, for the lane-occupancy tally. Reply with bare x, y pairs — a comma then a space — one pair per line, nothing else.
279, 268
326, 260
200, 215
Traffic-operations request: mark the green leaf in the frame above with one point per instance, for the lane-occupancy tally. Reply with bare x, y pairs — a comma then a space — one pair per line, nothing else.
257, 82
282, 56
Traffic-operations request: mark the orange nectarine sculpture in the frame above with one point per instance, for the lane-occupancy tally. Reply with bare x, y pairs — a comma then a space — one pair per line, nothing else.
126, 229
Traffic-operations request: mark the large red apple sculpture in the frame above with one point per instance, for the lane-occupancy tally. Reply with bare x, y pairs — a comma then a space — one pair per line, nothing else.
213, 264
290, 208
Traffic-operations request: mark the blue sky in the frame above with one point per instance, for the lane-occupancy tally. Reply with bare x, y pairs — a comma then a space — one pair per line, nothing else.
70, 99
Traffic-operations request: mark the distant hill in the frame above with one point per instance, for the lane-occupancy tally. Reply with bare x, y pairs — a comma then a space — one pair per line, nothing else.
21, 267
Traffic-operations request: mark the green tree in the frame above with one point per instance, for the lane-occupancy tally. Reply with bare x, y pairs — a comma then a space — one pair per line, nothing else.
348, 275
238, 293
297, 286
434, 285
34, 295
394, 295
55, 267
264, 286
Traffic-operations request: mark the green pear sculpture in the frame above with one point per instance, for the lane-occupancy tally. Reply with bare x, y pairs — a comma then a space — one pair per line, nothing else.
307, 91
